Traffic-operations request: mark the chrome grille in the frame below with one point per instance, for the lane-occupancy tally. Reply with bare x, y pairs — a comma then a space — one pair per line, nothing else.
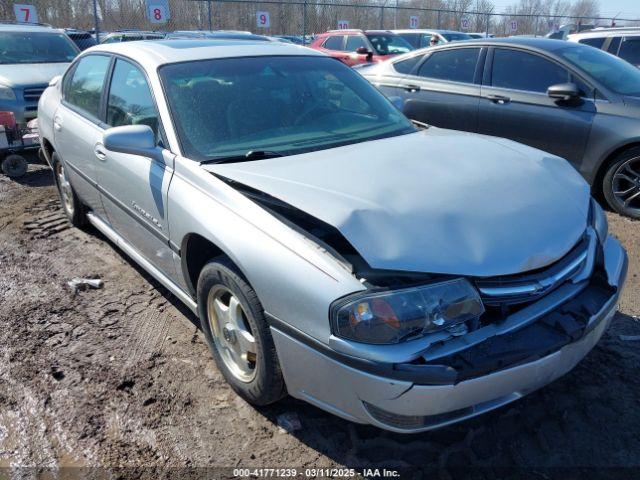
528, 287
33, 94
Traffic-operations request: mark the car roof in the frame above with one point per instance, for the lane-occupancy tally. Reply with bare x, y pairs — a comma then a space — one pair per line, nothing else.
153, 53
425, 30
605, 32
540, 43
27, 27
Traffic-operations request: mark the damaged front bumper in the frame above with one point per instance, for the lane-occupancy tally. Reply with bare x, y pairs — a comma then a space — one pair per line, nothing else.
463, 378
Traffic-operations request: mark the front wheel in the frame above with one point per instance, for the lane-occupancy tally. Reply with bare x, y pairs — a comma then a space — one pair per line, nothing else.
236, 330
621, 183
73, 208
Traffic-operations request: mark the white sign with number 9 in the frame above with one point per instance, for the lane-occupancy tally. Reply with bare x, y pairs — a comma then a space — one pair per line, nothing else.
25, 13
263, 20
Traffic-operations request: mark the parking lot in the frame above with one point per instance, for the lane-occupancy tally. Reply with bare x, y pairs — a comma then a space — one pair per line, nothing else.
122, 377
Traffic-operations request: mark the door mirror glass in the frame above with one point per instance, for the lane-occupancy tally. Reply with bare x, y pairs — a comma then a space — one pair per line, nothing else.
133, 140
564, 91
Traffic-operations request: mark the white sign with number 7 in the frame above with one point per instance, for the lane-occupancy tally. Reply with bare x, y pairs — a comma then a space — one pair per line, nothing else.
25, 13
263, 20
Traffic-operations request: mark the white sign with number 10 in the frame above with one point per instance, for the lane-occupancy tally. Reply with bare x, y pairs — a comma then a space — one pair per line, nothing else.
263, 20
343, 24
25, 13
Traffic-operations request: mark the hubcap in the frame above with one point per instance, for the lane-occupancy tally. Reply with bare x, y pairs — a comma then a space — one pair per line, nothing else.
626, 184
65, 190
231, 333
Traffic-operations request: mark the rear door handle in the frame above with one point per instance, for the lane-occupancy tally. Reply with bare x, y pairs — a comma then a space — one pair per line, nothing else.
499, 99
412, 88
100, 152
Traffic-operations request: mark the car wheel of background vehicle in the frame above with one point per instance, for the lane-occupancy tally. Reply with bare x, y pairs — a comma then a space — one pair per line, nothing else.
73, 208
621, 183
236, 330
14, 166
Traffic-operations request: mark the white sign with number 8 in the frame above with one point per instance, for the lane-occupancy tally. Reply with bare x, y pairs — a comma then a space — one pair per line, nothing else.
25, 13
263, 20
157, 14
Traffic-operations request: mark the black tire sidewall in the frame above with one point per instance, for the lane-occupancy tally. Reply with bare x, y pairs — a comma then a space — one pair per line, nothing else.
268, 384
607, 182
13, 157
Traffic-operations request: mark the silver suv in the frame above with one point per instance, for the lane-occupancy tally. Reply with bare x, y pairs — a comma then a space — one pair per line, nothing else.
403, 277
623, 42
30, 56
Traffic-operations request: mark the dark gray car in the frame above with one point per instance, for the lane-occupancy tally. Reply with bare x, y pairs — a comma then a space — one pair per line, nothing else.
565, 98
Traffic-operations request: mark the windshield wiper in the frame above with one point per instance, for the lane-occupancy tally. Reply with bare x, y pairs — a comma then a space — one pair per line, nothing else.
247, 157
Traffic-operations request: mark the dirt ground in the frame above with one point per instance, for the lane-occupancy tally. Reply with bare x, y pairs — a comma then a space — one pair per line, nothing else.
121, 378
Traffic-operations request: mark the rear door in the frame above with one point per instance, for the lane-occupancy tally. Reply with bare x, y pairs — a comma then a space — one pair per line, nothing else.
134, 188
77, 125
515, 104
444, 89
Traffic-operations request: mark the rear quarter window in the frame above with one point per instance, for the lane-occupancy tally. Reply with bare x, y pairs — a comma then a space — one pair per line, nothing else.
596, 42
334, 43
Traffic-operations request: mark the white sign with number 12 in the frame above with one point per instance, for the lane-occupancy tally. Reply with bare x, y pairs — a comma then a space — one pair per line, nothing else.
263, 20
25, 13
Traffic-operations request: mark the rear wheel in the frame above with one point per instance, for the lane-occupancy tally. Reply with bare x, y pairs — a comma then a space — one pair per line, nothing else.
73, 208
14, 166
621, 183
234, 325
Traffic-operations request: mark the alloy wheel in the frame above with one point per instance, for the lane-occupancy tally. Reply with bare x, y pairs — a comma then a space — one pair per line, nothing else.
626, 185
65, 189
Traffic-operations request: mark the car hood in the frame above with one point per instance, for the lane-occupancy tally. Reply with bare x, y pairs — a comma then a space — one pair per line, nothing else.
30, 73
435, 201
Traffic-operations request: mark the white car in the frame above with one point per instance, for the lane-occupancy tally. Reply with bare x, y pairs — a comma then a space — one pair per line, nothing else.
622, 42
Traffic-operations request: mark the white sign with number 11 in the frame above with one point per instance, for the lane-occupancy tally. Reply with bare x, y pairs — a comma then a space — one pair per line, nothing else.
25, 13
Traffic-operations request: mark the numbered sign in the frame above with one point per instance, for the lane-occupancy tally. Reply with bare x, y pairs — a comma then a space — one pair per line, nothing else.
465, 24
25, 13
343, 24
413, 22
513, 26
263, 20
158, 13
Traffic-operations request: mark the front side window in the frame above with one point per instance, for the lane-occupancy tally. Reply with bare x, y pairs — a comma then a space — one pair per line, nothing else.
388, 44
595, 42
456, 65
630, 50
130, 101
354, 42
516, 70
83, 90
412, 39
288, 105
614, 73
334, 43
36, 47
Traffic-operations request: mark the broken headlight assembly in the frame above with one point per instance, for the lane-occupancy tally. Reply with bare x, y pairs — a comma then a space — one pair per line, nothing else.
599, 221
394, 316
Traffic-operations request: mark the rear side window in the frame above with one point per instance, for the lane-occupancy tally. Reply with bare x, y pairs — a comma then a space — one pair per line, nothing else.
457, 65
354, 42
614, 45
334, 43
630, 50
593, 42
83, 89
406, 66
517, 70
130, 101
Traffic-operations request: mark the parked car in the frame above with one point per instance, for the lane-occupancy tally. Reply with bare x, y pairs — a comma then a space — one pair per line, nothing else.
81, 38
297, 39
422, 38
130, 36
565, 30
394, 276
476, 35
217, 35
30, 56
565, 98
621, 42
354, 47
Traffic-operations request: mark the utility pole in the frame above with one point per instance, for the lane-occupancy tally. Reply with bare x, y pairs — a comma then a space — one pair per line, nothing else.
209, 15
96, 22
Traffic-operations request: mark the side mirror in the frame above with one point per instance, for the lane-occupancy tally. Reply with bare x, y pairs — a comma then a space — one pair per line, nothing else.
134, 140
362, 50
564, 91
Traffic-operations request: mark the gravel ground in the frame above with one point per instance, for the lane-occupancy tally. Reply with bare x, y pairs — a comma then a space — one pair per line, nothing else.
121, 378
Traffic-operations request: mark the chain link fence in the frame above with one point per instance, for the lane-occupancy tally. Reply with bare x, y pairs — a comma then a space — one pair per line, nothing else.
287, 17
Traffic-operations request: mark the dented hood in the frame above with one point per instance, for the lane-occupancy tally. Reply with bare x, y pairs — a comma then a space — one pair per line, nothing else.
436, 201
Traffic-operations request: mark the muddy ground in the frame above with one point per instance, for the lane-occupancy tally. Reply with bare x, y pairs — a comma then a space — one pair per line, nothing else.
121, 377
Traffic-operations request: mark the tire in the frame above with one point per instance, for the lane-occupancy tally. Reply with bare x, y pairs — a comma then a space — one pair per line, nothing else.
255, 376
624, 174
14, 166
73, 208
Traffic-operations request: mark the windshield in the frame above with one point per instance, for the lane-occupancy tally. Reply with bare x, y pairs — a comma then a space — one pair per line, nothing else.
617, 75
36, 47
284, 105
386, 44
456, 37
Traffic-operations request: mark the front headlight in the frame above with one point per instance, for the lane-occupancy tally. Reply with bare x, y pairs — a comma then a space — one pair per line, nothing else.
599, 221
395, 316
7, 93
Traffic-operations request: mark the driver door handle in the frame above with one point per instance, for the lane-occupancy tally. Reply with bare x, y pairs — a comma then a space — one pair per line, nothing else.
57, 124
412, 88
100, 152
499, 99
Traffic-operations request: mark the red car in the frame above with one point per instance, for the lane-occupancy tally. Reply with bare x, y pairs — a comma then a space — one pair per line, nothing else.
354, 47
